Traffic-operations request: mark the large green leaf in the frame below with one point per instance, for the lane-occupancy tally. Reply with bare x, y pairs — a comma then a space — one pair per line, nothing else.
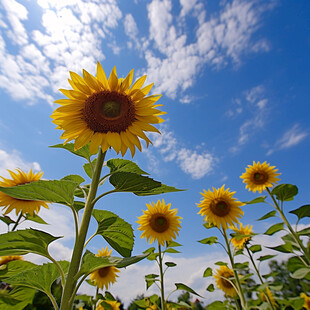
301, 273
82, 152
91, 262
283, 248
26, 241
285, 192
41, 277
303, 211
117, 232
16, 299
274, 228
183, 287
268, 215
124, 165
138, 184
209, 240
256, 200
15, 267
52, 191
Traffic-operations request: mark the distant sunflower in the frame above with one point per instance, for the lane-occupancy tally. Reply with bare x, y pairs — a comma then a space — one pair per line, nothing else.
271, 298
259, 176
25, 206
104, 276
219, 207
107, 112
243, 234
113, 303
159, 222
307, 300
6, 259
223, 278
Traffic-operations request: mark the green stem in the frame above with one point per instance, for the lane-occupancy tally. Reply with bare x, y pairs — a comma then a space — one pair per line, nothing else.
292, 231
67, 300
104, 194
17, 221
259, 276
241, 294
62, 274
51, 297
162, 287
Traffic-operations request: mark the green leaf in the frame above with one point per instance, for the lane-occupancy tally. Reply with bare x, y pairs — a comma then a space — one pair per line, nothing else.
207, 272
75, 178
170, 264
6, 220
265, 257
294, 264
268, 215
78, 205
300, 273
283, 248
16, 299
210, 288
149, 250
208, 225
183, 287
256, 200
219, 263
138, 184
304, 232
170, 250
172, 244
15, 267
285, 192
152, 256
255, 248
40, 277
91, 262
274, 228
82, 152
124, 165
88, 168
79, 193
26, 241
35, 218
117, 232
217, 305
51, 191
303, 211
209, 240
241, 265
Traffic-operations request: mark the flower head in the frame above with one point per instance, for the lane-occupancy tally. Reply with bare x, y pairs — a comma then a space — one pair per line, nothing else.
107, 112
6, 259
219, 207
25, 206
113, 303
159, 222
307, 300
242, 235
259, 176
104, 276
223, 278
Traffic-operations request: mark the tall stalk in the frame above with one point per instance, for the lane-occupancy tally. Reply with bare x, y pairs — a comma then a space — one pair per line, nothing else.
162, 287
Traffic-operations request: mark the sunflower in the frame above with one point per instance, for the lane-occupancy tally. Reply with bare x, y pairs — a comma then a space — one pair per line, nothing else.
113, 303
104, 276
6, 259
107, 112
219, 207
25, 206
242, 235
307, 300
270, 296
223, 278
259, 176
159, 222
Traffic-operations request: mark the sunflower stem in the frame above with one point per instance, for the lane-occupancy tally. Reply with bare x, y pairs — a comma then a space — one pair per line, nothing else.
292, 231
67, 296
162, 288
17, 221
231, 258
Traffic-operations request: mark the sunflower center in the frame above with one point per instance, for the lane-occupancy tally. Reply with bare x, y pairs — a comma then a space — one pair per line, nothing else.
220, 208
106, 111
159, 223
103, 272
260, 178
226, 283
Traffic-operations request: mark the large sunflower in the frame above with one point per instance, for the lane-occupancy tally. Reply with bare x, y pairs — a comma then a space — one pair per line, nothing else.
224, 278
307, 300
6, 259
259, 176
242, 235
113, 303
159, 222
219, 207
104, 276
107, 112
25, 206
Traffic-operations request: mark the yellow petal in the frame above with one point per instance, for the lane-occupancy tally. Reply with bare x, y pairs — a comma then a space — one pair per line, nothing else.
102, 77
127, 82
91, 80
113, 80
68, 101
114, 140
142, 92
96, 140
73, 94
134, 140
138, 83
83, 139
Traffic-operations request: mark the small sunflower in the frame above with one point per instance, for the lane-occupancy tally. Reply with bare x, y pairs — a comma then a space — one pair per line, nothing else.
113, 303
271, 298
219, 207
242, 235
223, 278
104, 276
259, 176
6, 259
25, 206
307, 300
159, 222
107, 112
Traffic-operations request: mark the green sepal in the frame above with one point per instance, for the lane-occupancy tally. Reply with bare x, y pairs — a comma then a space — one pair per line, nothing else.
17, 298
274, 229
285, 192
26, 241
207, 272
209, 240
256, 200
268, 215
301, 212
82, 152
117, 232
124, 165
183, 287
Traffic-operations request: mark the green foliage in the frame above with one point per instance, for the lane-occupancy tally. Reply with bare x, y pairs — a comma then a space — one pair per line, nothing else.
150, 279
35, 218
82, 152
14, 267
207, 272
124, 165
301, 212
285, 192
274, 229
268, 215
16, 299
183, 287
256, 200
209, 240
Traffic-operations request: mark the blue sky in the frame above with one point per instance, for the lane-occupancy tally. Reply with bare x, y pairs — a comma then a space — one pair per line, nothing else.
235, 82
